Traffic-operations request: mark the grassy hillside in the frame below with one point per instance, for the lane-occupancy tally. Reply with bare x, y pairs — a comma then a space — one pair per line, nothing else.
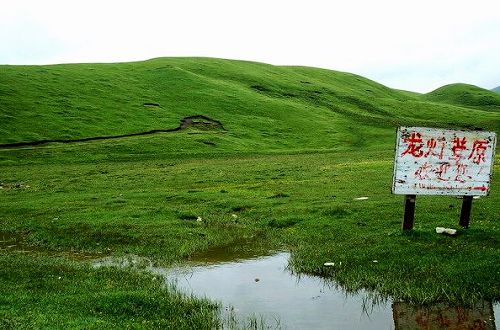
465, 95
274, 156
261, 106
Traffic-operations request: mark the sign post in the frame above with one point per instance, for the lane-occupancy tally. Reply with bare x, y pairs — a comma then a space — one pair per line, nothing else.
465, 212
409, 212
431, 161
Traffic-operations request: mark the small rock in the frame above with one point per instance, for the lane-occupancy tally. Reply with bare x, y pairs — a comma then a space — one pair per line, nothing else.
447, 231
450, 231
440, 230
329, 264
375, 261
257, 279
360, 198
199, 219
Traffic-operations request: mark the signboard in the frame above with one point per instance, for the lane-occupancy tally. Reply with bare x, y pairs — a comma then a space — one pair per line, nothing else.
431, 161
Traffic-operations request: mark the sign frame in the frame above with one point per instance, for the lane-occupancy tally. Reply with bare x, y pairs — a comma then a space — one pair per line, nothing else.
446, 162
451, 170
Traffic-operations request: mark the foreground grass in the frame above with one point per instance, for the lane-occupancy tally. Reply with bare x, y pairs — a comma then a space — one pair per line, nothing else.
40, 292
148, 204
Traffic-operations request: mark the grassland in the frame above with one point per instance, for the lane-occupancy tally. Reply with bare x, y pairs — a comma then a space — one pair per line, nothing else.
297, 146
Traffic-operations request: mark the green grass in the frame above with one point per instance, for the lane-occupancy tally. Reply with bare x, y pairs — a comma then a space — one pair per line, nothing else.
465, 95
64, 294
300, 145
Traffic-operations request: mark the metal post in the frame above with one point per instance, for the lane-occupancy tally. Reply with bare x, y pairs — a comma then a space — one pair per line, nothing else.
409, 212
466, 210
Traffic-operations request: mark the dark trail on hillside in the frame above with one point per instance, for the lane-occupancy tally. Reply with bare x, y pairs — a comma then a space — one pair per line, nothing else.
197, 121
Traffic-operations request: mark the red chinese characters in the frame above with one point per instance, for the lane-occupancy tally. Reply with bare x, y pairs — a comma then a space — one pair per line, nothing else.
435, 161
424, 171
432, 148
459, 145
415, 145
478, 149
445, 160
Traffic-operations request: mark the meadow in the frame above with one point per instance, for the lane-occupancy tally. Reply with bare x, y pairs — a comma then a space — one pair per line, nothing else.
279, 159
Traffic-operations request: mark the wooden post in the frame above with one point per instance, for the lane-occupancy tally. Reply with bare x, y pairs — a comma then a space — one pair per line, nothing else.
466, 210
409, 212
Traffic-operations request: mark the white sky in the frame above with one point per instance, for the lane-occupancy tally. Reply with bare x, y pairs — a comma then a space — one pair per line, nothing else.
412, 45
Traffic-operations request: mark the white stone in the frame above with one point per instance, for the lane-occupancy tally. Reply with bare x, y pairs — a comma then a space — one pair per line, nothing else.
440, 230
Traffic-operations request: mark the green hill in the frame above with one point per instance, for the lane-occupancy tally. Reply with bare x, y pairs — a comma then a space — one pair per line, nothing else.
261, 106
465, 95
496, 89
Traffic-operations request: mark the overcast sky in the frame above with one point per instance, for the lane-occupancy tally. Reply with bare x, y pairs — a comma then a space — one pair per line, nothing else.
412, 45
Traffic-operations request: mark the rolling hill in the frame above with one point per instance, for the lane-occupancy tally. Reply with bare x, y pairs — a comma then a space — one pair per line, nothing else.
465, 95
260, 106
496, 89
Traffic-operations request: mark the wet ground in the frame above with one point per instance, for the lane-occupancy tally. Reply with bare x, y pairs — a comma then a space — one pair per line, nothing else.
15, 242
250, 284
10, 240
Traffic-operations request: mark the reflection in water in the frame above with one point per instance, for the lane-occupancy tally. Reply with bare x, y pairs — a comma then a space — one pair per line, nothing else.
265, 288
443, 316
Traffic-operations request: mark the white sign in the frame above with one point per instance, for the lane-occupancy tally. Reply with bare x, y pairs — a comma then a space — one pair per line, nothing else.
432, 161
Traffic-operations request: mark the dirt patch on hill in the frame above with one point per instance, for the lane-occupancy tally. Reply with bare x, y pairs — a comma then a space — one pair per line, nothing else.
151, 105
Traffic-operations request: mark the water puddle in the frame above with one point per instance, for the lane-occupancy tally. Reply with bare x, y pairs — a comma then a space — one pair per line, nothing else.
262, 288
265, 288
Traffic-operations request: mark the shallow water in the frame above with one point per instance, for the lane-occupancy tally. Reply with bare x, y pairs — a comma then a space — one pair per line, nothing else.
248, 285
263, 287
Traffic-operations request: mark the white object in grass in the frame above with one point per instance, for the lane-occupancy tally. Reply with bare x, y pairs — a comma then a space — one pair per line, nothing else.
440, 230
